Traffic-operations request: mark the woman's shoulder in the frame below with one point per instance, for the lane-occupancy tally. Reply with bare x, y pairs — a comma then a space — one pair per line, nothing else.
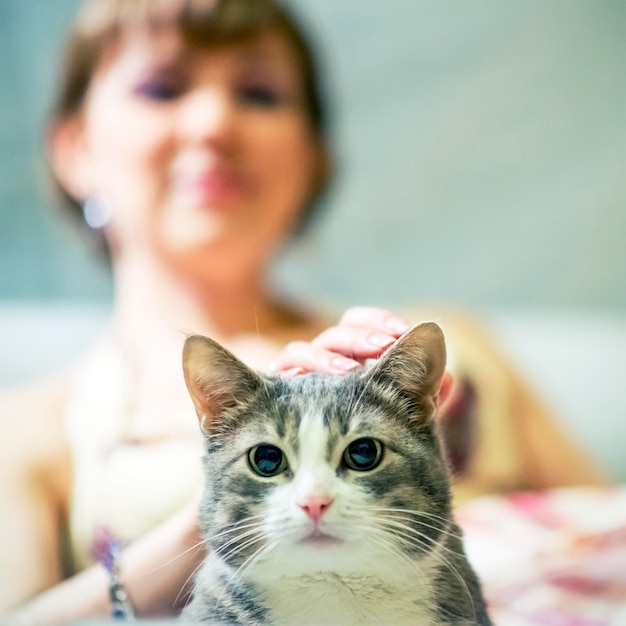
32, 417
28, 399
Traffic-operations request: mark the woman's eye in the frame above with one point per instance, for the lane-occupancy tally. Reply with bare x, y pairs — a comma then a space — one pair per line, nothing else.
260, 95
267, 460
159, 90
363, 454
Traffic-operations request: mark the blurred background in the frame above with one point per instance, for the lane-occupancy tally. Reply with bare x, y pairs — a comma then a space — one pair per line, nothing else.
481, 151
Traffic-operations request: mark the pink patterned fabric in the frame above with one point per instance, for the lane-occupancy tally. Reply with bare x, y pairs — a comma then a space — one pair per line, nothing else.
556, 558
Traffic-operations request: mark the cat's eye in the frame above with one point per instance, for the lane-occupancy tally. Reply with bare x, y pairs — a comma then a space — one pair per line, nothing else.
363, 454
267, 460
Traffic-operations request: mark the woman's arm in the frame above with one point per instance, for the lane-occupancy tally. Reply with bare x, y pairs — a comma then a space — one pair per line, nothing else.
156, 572
551, 456
519, 443
34, 472
35, 479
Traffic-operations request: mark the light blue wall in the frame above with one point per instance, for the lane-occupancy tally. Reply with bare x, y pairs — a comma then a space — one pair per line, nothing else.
481, 149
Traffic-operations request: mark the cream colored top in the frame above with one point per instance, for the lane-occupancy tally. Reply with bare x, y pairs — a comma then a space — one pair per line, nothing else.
126, 486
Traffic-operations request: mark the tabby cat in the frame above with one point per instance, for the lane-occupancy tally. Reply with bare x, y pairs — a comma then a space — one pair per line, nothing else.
327, 498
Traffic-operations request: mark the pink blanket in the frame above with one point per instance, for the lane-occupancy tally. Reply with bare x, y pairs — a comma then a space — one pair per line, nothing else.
556, 558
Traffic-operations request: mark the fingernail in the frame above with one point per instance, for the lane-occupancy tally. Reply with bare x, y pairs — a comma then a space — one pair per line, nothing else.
397, 324
343, 364
379, 340
294, 371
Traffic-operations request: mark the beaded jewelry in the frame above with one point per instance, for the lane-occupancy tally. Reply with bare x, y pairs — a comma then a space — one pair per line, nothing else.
106, 549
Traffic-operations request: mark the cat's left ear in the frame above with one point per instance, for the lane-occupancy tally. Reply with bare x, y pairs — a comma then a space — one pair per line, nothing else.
415, 366
216, 380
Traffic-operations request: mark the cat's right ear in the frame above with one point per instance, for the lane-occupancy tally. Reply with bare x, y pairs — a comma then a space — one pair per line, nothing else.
416, 366
216, 379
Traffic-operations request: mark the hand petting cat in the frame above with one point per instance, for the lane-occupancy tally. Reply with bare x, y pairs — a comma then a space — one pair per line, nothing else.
362, 333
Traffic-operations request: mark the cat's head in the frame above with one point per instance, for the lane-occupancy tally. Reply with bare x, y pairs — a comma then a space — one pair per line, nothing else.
322, 472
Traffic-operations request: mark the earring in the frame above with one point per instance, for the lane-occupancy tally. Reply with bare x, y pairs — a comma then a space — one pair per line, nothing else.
97, 212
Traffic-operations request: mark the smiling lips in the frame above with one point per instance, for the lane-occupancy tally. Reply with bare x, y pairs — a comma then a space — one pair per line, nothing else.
216, 188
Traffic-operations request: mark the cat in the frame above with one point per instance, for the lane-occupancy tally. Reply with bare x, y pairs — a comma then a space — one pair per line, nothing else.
327, 498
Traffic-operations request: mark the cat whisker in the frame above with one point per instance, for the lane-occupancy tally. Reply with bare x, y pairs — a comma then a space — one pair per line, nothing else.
409, 536
244, 568
417, 537
444, 529
227, 589
239, 571
198, 545
249, 563
437, 544
241, 525
257, 526
380, 538
250, 537
434, 516
229, 549
283, 526
437, 551
412, 512
438, 554
189, 578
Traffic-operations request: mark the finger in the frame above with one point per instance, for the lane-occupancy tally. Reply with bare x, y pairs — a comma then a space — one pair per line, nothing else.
292, 371
445, 389
312, 358
355, 343
375, 319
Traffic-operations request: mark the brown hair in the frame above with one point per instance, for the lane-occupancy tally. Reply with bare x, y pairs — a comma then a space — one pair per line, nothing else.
101, 23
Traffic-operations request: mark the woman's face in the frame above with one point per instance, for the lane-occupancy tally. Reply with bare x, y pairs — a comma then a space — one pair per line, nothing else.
206, 155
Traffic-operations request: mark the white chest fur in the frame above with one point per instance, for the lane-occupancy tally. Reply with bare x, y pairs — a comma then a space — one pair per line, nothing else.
327, 599
398, 593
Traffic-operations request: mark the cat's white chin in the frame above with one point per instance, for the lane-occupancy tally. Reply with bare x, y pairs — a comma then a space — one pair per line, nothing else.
314, 554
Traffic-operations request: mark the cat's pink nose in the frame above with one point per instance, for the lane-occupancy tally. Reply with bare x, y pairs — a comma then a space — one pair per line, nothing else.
315, 506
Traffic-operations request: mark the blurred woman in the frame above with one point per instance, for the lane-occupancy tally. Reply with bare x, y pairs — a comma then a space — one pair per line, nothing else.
190, 135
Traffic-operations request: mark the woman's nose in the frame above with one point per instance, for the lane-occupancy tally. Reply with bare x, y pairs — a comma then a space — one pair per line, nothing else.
208, 116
